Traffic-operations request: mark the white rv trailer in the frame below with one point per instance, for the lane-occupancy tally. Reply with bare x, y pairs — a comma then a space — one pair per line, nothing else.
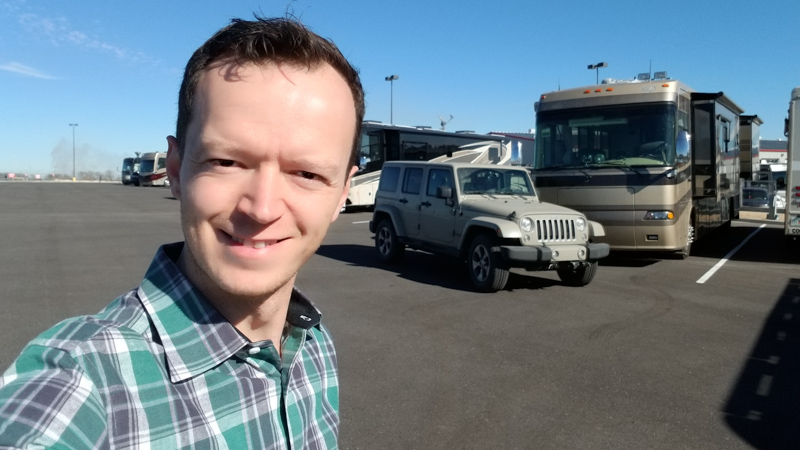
381, 142
792, 212
153, 169
655, 162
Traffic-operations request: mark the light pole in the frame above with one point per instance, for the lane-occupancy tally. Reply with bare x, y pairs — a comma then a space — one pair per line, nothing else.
597, 70
391, 79
73, 125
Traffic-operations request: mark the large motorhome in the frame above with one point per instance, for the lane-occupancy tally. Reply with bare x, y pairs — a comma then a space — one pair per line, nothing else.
749, 127
153, 170
655, 162
381, 142
792, 213
129, 166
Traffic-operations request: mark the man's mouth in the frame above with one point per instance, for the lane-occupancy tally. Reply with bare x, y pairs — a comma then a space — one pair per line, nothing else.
253, 243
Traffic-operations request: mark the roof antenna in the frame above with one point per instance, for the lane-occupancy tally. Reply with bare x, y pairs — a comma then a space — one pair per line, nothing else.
445, 122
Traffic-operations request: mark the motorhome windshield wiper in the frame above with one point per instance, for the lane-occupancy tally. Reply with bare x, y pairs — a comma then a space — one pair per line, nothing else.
620, 163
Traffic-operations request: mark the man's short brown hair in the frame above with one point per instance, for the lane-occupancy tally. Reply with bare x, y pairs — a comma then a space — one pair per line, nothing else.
260, 41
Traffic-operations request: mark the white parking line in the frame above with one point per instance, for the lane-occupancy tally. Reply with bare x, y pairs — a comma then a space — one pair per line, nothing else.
722, 262
361, 221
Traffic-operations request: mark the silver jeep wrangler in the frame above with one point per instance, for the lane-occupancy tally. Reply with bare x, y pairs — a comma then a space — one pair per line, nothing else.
488, 215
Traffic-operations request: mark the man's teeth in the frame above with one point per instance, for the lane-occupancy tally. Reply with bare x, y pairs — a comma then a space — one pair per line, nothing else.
251, 243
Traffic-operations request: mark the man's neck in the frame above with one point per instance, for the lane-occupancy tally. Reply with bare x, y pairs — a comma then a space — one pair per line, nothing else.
257, 318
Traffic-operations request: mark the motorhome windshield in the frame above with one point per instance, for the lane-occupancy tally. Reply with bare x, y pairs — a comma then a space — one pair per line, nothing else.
632, 135
494, 181
146, 166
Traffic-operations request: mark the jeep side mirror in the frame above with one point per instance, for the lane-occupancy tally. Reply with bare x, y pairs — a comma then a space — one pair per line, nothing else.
444, 192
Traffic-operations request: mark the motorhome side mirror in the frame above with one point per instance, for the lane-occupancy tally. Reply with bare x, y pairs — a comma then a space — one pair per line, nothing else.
444, 192
682, 148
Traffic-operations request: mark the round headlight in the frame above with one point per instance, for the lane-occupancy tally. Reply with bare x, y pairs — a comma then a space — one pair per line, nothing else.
526, 224
580, 224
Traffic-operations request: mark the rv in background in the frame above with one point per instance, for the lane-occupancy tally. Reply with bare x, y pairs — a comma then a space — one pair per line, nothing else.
153, 170
792, 131
381, 143
129, 167
749, 145
655, 162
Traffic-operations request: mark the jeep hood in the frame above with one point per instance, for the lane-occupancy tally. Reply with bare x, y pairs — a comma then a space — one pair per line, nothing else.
503, 205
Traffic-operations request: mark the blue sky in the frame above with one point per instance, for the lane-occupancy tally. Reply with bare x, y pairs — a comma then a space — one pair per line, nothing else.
114, 68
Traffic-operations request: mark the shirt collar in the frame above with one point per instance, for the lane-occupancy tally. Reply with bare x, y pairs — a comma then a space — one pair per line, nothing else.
195, 336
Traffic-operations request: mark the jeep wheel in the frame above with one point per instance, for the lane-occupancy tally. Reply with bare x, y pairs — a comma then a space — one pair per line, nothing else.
486, 268
578, 274
389, 247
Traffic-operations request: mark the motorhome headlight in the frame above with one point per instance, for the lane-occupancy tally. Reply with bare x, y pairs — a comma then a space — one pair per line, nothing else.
580, 224
526, 224
659, 215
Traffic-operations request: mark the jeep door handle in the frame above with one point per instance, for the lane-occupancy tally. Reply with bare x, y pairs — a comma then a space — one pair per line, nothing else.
403, 200
426, 204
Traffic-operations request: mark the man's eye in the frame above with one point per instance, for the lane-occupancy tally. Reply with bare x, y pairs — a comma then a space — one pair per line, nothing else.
224, 162
308, 175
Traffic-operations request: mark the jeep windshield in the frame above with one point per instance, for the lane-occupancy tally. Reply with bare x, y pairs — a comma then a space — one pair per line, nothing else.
499, 181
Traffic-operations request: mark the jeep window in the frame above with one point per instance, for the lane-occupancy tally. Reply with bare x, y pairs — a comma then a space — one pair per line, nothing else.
438, 177
494, 181
389, 178
412, 180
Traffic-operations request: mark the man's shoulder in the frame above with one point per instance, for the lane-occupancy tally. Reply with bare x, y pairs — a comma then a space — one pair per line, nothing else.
123, 318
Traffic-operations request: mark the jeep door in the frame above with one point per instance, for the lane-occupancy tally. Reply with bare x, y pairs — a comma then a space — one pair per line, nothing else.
409, 199
436, 215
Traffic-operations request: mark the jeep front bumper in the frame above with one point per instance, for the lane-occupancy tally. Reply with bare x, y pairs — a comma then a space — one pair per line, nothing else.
562, 253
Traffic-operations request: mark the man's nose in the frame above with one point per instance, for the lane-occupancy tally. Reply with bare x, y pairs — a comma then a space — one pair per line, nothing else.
262, 196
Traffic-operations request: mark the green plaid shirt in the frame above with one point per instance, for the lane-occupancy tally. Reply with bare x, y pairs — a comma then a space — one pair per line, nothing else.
160, 368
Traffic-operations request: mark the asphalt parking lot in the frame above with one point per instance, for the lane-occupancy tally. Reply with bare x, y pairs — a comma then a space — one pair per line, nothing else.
644, 357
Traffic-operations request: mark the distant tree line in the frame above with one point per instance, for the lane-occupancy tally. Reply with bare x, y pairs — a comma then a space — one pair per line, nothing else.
86, 175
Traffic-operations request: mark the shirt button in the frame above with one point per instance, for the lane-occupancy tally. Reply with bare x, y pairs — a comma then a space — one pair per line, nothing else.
254, 350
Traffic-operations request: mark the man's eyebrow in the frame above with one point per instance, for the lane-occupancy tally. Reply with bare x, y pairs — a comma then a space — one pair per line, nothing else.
207, 145
315, 164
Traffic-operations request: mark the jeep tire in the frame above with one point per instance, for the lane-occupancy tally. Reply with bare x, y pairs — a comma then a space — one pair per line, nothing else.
578, 274
487, 269
389, 247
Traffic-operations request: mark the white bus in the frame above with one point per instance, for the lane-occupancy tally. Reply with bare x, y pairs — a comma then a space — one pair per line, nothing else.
656, 163
381, 143
129, 166
792, 131
153, 170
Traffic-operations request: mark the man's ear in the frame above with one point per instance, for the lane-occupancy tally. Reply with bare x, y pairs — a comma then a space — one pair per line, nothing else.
345, 191
174, 166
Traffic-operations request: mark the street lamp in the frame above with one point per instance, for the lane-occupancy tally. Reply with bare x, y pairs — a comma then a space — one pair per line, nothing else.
391, 79
597, 70
73, 125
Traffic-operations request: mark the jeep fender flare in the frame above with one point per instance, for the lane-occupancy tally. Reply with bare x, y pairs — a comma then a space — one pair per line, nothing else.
596, 229
393, 214
502, 228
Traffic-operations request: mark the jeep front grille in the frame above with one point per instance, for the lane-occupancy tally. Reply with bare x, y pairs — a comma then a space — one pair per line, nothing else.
555, 230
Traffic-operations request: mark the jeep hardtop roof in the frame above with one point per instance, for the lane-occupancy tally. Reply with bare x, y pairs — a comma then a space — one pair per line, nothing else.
455, 165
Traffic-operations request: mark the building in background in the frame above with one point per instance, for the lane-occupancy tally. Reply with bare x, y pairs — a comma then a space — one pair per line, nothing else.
772, 152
